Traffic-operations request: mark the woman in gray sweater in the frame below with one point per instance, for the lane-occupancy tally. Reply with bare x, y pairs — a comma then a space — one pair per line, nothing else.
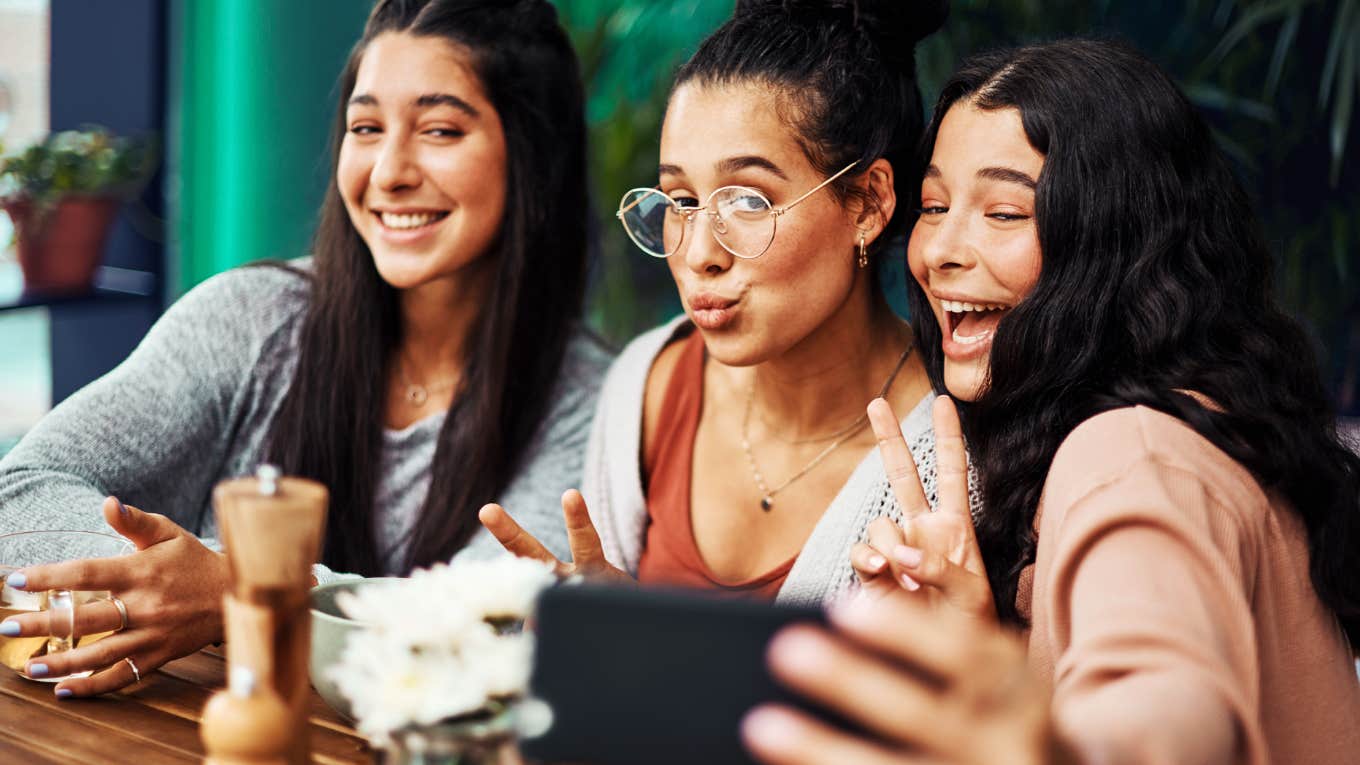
426, 360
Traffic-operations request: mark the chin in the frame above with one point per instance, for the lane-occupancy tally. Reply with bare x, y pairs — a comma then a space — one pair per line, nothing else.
965, 381
399, 274
733, 349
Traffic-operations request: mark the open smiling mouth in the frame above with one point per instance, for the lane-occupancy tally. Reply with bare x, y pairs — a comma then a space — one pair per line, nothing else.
410, 221
971, 323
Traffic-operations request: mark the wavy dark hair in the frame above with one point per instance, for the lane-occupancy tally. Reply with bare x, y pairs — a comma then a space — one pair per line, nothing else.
1156, 279
330, 425
845, 73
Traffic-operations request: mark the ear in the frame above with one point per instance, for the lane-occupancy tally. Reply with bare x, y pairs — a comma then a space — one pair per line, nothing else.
877, 184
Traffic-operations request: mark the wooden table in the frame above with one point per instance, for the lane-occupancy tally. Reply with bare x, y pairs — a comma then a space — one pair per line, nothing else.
153, 723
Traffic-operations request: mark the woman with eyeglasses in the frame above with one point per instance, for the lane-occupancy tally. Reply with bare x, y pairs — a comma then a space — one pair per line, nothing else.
427, 358
731, 451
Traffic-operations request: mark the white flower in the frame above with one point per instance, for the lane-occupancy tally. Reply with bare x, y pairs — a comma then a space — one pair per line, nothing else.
430, 651
500, 588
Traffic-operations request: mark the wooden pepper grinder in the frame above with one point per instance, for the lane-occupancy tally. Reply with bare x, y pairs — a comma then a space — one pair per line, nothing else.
247, 724
272, 528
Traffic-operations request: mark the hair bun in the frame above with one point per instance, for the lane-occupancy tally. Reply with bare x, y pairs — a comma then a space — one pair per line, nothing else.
901, 21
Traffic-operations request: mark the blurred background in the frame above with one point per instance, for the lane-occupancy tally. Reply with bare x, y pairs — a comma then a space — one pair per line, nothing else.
238, 95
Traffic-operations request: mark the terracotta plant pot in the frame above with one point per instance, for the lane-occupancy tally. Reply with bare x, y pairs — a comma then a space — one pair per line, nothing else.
61, 252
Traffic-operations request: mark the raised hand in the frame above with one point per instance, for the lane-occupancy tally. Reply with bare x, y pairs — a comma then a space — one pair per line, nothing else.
932, 553
587, 554
923, 685
172, 590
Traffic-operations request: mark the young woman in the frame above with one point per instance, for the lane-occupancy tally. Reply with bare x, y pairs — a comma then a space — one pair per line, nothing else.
1167, 505
731, 451
426, 360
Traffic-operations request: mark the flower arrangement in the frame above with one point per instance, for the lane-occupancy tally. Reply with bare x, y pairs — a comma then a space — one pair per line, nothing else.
444, 645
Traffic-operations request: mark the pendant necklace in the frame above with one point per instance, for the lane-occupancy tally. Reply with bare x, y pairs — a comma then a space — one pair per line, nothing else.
767, 493
416, 394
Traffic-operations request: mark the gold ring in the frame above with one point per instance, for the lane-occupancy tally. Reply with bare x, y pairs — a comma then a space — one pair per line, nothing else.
135, 672
122, 612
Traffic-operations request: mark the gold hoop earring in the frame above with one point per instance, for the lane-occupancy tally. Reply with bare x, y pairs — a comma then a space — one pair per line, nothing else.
863, 252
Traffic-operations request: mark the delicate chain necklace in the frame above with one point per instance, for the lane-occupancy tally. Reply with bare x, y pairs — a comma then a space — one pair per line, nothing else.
417, 394
767, 493
848, 429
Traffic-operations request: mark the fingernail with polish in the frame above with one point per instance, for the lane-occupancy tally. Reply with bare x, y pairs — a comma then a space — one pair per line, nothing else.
37, 670
909, 583
907, 556
17, 580
122, 508
9, 628
65, 693
877, 562
770, 730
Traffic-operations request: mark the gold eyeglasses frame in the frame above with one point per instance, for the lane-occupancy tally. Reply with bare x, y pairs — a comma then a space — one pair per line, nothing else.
689, 213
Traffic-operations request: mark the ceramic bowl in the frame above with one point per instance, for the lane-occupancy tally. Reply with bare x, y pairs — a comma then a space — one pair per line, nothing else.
330, 629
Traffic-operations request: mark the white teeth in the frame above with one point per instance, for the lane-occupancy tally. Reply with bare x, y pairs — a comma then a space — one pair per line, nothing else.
416, 220
958, 306
970, 339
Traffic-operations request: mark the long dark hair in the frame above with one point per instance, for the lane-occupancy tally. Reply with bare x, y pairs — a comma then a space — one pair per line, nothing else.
845, 73
1156, 280
330, 425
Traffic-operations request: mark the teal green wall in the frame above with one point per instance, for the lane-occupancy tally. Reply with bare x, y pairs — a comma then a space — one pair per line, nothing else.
252, 96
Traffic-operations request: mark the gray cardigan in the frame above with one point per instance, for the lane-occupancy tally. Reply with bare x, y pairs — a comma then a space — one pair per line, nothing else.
194, 404
615, 494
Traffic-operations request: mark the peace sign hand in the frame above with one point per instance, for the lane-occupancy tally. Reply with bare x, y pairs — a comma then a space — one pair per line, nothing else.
934, 553
586, 551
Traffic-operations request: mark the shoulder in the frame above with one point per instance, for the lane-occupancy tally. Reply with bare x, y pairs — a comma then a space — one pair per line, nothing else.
255, 299
1112, 443
1139, 465
586, 360
626, 383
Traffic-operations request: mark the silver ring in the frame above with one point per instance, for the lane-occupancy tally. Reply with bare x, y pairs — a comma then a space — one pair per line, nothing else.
135, 672
122, 612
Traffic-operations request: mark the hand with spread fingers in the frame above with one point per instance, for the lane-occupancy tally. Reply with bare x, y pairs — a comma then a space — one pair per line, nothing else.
586, 551
167, 603
932, 554
925, 685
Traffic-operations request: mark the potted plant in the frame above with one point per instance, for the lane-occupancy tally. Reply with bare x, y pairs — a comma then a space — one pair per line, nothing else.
62, 194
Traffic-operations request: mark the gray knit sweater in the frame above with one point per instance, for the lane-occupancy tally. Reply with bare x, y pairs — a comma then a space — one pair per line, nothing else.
194, 404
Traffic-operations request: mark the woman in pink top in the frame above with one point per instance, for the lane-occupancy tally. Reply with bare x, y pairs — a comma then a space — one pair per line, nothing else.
1168, 511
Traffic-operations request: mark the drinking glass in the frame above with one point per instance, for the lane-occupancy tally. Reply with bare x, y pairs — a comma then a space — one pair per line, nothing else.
31, 548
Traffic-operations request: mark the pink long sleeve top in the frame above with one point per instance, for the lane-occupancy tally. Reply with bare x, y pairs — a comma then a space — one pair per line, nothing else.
1172, 611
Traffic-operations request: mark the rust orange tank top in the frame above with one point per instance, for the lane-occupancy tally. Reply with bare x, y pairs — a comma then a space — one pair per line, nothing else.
671, 556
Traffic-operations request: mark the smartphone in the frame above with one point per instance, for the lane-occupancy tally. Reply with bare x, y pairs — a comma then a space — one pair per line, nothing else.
636, 676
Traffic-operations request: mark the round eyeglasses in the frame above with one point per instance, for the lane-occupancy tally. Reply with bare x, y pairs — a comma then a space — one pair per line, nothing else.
742, 219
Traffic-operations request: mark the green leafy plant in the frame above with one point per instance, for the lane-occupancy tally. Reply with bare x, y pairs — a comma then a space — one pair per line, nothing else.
89, 163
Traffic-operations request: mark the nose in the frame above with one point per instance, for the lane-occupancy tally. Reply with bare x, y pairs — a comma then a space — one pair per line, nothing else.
702, 253
947, 246
395, 167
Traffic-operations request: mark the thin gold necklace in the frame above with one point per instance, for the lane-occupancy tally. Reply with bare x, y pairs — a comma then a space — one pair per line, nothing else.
416, 394
767, 493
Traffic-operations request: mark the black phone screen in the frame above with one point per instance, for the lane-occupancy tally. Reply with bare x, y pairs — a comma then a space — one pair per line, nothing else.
637, 676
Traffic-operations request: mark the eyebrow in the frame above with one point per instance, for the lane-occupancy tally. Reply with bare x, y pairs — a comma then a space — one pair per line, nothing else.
732, 165
424, 102
1004, 174
1007, 175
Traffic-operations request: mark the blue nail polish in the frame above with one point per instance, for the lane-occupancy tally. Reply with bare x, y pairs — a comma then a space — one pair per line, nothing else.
122, 508
17, 580
9, 628
37, 670
65, 693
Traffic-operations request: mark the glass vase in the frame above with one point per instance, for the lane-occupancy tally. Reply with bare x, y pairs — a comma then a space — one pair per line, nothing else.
479, 741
